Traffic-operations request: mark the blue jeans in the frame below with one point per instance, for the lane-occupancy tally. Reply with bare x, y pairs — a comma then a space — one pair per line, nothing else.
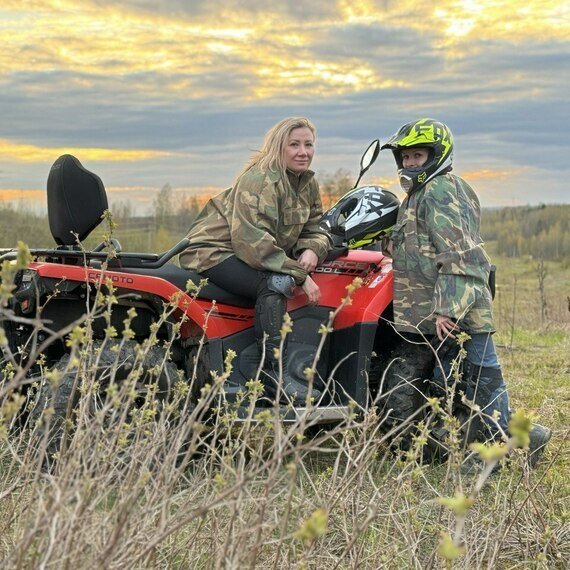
482, 380
481, 350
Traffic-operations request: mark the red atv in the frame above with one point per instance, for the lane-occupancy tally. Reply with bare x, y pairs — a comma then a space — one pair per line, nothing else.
60, 286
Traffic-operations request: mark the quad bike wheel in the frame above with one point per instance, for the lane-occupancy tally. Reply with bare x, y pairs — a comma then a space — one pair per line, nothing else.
53, 414
197, 369
407, 383
403, 384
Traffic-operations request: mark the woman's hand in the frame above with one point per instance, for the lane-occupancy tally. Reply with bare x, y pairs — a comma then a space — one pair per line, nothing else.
444, 326
309, 260
311, 289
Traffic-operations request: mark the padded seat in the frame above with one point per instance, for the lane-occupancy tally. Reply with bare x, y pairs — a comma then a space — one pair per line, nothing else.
179, 277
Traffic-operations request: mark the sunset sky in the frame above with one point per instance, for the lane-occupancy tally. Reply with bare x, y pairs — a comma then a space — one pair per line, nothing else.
181, 91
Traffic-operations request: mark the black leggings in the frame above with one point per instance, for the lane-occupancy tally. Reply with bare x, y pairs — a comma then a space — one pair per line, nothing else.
238, 278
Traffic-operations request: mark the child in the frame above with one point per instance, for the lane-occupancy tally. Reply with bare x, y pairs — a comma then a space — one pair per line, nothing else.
441, 270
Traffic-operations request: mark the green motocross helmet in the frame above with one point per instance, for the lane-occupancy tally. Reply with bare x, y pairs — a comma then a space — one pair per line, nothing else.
427, 133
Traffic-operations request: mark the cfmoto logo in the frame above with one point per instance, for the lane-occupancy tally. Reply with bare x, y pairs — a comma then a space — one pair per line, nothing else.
114, 278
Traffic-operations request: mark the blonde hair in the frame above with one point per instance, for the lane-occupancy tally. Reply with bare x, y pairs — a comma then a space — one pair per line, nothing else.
272, 153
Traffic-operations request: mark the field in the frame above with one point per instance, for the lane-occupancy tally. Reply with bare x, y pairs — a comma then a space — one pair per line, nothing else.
161, 488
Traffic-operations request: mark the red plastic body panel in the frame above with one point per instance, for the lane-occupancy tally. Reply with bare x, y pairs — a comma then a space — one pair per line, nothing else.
368, 302
220, 322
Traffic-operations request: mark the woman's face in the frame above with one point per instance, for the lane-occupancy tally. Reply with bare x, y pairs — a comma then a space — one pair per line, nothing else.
299, 149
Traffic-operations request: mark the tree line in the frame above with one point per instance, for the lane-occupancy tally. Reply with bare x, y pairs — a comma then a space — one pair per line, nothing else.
542, 232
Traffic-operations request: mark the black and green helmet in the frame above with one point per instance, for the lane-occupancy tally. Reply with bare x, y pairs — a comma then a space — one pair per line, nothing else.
427, 133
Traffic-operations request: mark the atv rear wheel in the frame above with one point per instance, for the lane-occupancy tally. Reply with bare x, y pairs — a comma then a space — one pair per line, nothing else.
51, 410
53, 414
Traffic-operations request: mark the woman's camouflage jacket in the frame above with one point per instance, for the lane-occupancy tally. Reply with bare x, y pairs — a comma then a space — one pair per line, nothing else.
264, 220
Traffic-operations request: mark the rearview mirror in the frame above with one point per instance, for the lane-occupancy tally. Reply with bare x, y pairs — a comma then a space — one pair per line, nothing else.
368, 158
370, 155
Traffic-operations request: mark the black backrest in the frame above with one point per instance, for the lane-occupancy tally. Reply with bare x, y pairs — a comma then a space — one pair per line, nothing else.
76, 200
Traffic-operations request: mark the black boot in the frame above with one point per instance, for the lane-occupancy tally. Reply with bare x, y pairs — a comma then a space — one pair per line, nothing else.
539, 436
486, 388
269, 312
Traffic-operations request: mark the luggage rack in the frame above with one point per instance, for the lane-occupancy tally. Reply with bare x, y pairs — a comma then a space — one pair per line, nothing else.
119, 258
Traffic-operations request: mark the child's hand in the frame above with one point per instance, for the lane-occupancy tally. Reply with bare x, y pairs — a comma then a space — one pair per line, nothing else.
444, 326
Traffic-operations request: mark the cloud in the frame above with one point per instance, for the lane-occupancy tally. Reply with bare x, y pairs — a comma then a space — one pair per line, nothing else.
32, 153
16, 195
148, 92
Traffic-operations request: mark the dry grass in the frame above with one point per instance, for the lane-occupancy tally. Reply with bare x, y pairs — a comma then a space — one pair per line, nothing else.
142, 482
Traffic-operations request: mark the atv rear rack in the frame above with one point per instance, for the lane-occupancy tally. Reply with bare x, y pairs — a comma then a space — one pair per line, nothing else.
117, 258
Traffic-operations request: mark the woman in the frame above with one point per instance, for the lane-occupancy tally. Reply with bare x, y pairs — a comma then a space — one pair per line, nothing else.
261, 238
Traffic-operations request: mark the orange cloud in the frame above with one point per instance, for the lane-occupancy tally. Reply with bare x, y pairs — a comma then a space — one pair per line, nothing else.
31, 153
24, 196
490, 174
135, 195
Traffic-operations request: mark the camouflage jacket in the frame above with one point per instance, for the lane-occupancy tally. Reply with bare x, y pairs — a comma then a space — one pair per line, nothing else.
265, 221
440, 266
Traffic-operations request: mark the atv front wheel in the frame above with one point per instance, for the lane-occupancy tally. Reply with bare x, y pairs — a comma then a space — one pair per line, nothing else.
402, 386
198, 370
